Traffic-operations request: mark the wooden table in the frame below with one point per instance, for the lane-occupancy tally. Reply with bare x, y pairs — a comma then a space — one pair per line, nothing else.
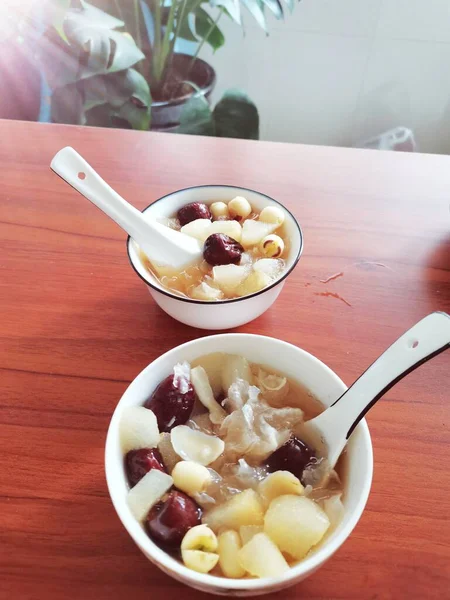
77, 326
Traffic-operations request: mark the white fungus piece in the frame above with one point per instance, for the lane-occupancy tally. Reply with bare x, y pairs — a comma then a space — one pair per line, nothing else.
182, 377
238, 435
204, 499
220, 489
317, 471
257, 429
237, 395
249, 476
274, 388
284, 418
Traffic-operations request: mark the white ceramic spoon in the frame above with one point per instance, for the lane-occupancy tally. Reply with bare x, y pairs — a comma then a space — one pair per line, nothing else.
164, 247
329, 432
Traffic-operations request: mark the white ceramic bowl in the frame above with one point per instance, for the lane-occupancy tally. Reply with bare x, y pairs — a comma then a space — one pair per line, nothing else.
222, 314
295, 363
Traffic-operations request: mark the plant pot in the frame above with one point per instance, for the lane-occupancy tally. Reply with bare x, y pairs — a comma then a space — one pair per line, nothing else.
166, 114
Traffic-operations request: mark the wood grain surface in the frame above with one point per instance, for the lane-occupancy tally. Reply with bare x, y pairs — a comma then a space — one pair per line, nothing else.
77, 325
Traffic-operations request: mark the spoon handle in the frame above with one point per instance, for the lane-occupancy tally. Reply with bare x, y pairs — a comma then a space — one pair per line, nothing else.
165, 247
426, 339
72, 167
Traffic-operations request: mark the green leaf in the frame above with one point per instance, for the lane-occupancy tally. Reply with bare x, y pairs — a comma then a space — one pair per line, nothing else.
100, 49
206, 29
196, 117
123, 96
187, 28
232, 7
127, 117
116, 89
256, 8
126, 93
140, 87
136, 115
94, 48
104, 51
186, 10
275, 7
236, 116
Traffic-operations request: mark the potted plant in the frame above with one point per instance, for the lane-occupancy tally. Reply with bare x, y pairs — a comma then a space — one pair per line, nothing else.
116, 64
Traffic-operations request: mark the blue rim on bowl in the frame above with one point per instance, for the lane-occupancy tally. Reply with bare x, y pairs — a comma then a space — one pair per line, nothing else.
229, 300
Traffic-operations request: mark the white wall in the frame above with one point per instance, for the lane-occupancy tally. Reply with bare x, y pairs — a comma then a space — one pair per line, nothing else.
338, 71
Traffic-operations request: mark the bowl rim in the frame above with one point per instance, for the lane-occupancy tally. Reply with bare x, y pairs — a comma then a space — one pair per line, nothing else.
227, 300
215, 584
